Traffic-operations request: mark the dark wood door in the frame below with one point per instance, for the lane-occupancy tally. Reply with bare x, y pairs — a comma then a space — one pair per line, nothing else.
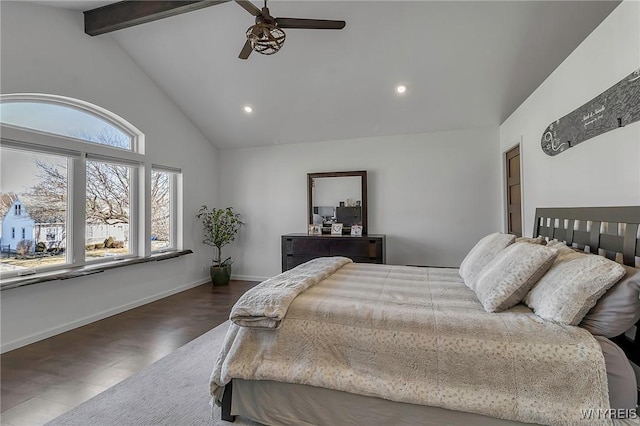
514, 192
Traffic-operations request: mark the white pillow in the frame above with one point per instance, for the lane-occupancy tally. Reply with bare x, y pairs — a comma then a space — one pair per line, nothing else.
507, 279
537, 240
572, 286
481, 254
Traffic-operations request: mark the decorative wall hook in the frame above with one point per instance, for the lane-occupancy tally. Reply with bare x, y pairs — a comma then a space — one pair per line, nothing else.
616, 107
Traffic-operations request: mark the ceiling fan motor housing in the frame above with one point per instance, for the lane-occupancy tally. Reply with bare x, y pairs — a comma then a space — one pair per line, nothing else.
265, 38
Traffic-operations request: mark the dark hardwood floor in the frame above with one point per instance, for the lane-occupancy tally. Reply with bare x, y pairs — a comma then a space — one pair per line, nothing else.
45, 379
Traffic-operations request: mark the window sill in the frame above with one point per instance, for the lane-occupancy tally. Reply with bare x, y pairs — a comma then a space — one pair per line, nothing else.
86, 270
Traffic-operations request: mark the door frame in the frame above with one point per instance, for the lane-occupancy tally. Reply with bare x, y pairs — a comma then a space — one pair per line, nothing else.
505, 196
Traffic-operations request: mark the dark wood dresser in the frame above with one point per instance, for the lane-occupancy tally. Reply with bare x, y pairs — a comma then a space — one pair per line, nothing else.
299, 248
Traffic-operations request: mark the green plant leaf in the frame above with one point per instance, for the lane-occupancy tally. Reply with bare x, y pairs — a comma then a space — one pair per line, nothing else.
220, 227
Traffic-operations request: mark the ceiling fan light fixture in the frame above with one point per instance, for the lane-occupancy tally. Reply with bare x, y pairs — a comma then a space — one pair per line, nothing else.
265, 38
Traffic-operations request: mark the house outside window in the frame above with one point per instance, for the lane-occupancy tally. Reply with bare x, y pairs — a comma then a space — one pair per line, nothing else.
13, 233
81, 171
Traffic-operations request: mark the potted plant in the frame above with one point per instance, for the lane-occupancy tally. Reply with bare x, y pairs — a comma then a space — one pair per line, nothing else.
220, 228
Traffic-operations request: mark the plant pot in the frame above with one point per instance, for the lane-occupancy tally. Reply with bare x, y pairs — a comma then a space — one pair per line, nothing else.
220, 275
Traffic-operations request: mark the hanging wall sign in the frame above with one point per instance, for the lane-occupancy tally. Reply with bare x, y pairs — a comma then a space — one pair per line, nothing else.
616, 107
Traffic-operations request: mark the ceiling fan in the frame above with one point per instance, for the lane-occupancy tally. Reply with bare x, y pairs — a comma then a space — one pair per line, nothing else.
267, 35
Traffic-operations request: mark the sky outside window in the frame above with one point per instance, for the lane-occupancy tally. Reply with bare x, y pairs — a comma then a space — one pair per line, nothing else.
63, 121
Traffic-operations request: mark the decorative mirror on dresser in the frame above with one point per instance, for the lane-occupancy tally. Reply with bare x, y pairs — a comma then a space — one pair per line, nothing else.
334, 199
337, 197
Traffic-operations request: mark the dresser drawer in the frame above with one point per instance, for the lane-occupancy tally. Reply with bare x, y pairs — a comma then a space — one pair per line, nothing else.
366, 259
353, 248
300, 248
306, 246
292, 261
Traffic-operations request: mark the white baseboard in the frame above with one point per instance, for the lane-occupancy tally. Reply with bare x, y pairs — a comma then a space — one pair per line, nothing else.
15, 344
249, 278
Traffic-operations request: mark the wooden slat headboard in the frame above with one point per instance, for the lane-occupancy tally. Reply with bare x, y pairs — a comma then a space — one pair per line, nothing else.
608, 231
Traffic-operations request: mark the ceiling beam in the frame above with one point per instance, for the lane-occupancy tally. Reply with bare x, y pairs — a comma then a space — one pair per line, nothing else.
127, 14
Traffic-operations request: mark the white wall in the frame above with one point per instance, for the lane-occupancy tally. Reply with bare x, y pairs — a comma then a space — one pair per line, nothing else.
45, 50
434, 195
603, 171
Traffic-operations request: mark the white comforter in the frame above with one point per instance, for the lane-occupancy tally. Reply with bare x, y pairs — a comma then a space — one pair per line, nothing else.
265, 305
418, 335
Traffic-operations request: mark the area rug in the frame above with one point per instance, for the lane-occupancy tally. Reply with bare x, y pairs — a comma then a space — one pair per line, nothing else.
172, 391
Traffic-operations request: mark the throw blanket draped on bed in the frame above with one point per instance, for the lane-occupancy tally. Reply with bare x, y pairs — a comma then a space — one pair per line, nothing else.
419, 335
265, 305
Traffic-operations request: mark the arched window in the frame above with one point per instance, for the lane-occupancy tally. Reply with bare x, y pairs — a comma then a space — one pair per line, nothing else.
72, 118
63, 121
77, 170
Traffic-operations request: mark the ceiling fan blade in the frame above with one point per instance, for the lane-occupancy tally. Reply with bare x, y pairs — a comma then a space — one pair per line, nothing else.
312, 24
249, 7
246, 50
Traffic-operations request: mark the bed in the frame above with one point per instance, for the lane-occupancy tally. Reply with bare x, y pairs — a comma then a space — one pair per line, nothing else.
354, 346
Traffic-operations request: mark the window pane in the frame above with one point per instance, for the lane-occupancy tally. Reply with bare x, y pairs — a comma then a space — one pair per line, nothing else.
63, 121
108, 216
161, 210
33, 208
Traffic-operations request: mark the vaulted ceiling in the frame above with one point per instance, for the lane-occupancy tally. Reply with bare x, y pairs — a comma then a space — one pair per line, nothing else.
465, 65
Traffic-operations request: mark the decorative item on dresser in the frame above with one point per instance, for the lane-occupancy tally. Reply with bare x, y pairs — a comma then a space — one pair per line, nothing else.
300, 248
336, 229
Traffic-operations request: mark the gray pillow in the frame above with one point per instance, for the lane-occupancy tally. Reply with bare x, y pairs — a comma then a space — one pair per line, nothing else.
619, 309
623, 393
509, 276
572, 286
481, 254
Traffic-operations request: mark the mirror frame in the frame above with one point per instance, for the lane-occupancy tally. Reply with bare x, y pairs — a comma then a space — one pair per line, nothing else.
363, 192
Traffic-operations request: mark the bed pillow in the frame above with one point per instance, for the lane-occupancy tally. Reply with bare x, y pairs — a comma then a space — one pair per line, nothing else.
537, 240
621, 380
572, 286
619, 309
507, 279
481, 254
560, 245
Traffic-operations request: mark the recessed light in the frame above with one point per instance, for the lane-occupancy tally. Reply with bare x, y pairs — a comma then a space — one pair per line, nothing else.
248, 109
401, 89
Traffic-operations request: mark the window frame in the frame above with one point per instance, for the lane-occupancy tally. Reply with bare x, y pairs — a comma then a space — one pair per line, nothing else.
134, 209
174, 196
77, 153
